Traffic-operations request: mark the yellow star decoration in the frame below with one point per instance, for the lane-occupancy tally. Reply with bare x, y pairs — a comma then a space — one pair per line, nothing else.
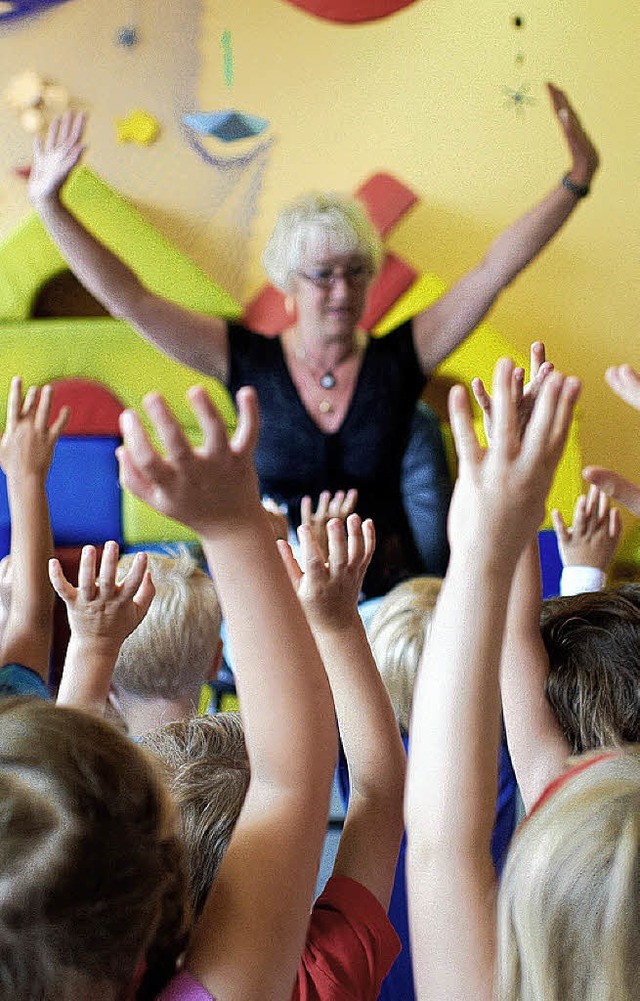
138, 127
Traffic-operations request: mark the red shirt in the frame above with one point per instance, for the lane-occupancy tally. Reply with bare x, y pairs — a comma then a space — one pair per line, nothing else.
351, 946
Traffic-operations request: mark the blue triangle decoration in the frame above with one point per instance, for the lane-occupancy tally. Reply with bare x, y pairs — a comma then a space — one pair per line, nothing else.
226, 125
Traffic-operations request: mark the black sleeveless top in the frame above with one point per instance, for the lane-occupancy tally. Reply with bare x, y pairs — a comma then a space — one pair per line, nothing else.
295, 457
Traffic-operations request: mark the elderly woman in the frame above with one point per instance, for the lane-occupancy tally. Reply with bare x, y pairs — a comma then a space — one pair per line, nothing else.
336, 406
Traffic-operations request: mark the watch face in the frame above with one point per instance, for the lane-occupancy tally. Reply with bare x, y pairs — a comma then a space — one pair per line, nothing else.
351, 11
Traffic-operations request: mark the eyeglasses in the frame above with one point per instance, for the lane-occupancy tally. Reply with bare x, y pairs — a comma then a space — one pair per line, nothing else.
356, 276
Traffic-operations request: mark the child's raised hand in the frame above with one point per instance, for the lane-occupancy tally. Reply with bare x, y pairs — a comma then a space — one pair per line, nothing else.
207, 487
101, 612
593, 537
329, 590
55, 158
524, 395
500, 493
625, 383
339, 505
28, 441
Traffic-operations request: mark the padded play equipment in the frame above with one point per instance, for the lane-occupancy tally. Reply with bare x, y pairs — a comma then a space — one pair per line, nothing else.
120, 367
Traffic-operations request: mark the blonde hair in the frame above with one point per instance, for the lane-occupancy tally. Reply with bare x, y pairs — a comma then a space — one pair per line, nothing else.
171, 653
91, 873
319, 222
397, 633
569, 901
207, 770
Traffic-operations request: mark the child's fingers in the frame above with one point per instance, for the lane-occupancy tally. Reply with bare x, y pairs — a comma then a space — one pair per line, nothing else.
87, 573
140, 465
464, 436
322, 507
109, 567
560, 527
131, 477
625, 383
30, 399
536, 359
603, 505
503, 420
14, 401
591, 503
337, 545
170, 434
517, 385
580, 516
60, 423
246, 434
59, 582
481, 395
355, 541
43, 409
369, 533
563, 413
335, 504
145, 594
615, 524
294, 572
305, 510
350, 502
133, 580
311, 558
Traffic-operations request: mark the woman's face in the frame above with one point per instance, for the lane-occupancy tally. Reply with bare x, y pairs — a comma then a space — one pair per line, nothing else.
330, 291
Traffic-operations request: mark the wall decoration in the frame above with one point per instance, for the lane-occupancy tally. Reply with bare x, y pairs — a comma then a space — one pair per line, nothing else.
138, 127
518, 97
15, 10
35, 100
351, 11
227, 57
226, 125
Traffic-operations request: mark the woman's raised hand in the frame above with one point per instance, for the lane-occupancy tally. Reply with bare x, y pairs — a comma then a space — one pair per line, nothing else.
55, 157
584, 155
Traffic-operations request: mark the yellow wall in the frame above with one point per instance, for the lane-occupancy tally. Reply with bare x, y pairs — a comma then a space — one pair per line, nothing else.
419, 94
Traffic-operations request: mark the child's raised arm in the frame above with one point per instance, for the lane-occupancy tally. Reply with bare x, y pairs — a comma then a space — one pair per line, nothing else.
249, 939
371, 740
498, 503
101, 613
26, 451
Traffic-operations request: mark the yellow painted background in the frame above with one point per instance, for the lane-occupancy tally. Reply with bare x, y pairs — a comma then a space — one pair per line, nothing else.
418, 94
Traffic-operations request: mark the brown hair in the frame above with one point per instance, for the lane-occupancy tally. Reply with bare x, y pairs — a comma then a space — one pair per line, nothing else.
207, 772
91, 873
593, 644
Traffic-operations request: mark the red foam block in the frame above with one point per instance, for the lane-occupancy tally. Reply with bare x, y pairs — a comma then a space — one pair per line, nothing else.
386, 200
392, 281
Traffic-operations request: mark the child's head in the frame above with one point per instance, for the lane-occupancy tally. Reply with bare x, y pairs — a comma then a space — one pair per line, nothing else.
91, 869
173, 651
397, 633
207, 771
593, 643
569, 901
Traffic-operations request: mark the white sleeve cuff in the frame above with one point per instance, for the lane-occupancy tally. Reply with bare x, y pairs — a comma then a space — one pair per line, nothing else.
577, 580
